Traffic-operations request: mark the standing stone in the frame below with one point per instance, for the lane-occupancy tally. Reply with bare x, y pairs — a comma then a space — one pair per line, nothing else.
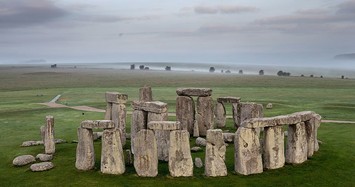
157, 116
180, 160
119, 119
163, 143
145, 93
108, 112
204, 114
274, 151
296, 149
247, 152
244, 111
49, 143
310, 136
128, 157
138, 122
85, 156
220, 115
185, 113
215, 154
196, 131
145, 154
112, 159
317, 121
43, 132
198, 162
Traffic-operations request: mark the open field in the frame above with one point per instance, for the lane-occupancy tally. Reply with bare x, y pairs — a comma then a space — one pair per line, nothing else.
21, 89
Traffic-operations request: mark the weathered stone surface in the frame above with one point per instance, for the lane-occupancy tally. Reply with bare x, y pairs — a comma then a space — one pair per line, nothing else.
296, 149
119, 119
145, 154
196, 149
196, 131
273, 148
42, 132
97, 135
145, 93
269, 106
43, 166
31, 143
108, 111
228, 137
59, 141
112, 159
215, 154
49, 143
138, 122
163, 144
198, 162
23, 160
157, 117
247, 152
116, 97
317, 121
44, 157
164, 125
204, 114
220, 115
244, 111
203, 92
85, 156
128, 157
180, 160
151, 106
228, 99
310, 136
201, 142
102, 124
185, 112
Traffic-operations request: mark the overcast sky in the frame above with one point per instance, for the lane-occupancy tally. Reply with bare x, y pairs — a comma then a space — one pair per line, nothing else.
287, 32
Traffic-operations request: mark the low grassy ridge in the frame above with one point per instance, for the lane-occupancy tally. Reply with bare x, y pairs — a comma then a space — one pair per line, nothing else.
21, 117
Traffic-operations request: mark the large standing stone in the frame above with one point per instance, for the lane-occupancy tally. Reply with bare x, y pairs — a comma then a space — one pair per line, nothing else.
244, 111
296, 149
162, 136
310, 136
145, 93
85, 156
23, 160
203, 92
185, 112
196, 131
43, 166
215, 154
220, 115
119, 119
108, 112
138, 122
317, 121
274, 151
247, 152
204, 114
49, 143
145, 154
112, 159
180, 160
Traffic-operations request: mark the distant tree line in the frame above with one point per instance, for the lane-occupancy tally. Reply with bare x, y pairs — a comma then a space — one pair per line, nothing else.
282, 73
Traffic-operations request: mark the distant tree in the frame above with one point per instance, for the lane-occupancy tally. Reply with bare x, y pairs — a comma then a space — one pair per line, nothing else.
54, 66
261, 72
311, 76
342, 77
212, 69
133, 66
221, 70
168, 68
302, 75
228, 71
321, 76
141, 67
146, 68
241, 71
281, 73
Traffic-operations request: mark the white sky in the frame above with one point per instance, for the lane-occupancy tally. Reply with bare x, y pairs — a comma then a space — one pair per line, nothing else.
286, 32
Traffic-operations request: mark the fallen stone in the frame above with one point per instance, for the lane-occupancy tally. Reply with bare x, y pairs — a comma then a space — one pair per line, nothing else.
204, 114
269, 106
228, 137
220, 115
151, 106
201, 142
43, 166
74, 141
112, 159
185, 113
273, 148
44, 157
228, 99
145, 93
116, 97
59, 141
164, 125
194, 92
198, 162
296, 148
215, 154
180, 160
31, 143
49, 142
102, 124
196, 149
85, 156
23, 160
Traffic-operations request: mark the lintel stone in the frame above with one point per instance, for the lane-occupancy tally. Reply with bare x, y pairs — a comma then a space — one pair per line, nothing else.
116, 97
151, 106
91, 124
202, 92
228, 99
164, 125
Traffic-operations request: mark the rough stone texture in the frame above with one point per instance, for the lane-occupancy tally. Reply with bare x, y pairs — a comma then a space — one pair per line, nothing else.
198, 162
310, 136
145, 154
49, 143
42, 132
164, 125
44, 157
296, 149
196, 131
163, 144
201, 142
215, 154
128, 157
112, 159
23, 160
157, 116
185, 112
273, 148
203, 92
31, 143
247, 152
317, 121
119, 119
59, 141
145, 93
196, 149
85, 156
204, 114
220, 115
138, 122
116, 97
43, 166
180, 160
269, 106
228, 99
95, 124
97, 135
151, 106
228, 137
244, 111
108, 111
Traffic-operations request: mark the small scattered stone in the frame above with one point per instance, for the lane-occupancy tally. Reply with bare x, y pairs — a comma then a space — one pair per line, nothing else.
196, 149
23, 160
228, 137
44, 157
198, 162
43, 166
74, 141
59, 141
201, 142
31, 143
269, 106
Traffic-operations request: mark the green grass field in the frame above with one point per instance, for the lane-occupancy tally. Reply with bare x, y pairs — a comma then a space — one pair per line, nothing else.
21, 117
